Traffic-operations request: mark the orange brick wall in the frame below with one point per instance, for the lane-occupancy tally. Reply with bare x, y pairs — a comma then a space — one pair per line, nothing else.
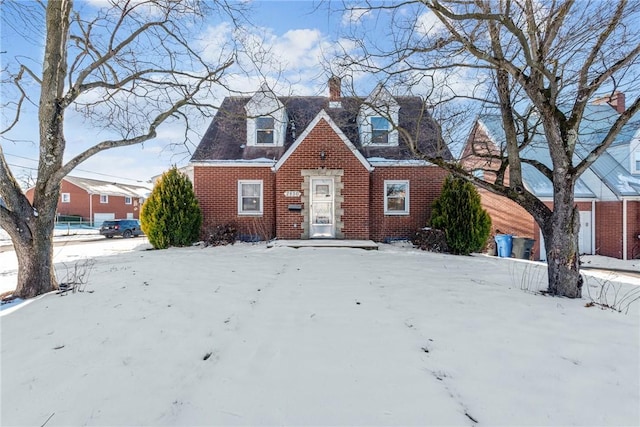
425, 185
337, 157
217, 191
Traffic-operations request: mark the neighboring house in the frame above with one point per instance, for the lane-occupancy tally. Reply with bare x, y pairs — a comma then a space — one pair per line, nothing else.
317, 167
97, 201
607, 194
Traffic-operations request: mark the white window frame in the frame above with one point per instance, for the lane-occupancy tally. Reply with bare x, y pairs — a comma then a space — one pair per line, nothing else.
271, 129
241, 211
374, 129
128, 200
104, 198
387, 211
636, 162
65, 198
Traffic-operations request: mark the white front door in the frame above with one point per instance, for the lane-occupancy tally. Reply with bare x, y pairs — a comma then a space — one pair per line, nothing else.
584, 236
321, 219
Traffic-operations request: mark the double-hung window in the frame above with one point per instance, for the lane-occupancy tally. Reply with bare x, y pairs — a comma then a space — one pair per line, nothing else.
127, 200
264, 130
396, 197
379, 130
250, 197
637, 161
66, 197
104, 198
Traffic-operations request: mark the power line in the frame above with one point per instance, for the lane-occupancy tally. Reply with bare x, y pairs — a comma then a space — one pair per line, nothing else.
77, 169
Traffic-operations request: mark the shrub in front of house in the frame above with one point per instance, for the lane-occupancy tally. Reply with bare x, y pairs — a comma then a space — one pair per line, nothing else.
430, 239
219, 235
171, 215
459, 214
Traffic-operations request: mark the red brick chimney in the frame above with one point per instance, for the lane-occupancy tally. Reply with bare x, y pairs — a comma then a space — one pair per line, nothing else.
334, 88
616, 100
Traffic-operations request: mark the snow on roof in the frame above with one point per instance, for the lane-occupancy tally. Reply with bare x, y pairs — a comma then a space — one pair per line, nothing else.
94, 186
381, 161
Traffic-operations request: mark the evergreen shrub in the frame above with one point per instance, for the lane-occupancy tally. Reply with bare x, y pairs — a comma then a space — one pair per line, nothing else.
171, 215
460, 215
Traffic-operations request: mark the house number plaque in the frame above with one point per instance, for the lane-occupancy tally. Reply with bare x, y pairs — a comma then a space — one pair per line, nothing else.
292, 194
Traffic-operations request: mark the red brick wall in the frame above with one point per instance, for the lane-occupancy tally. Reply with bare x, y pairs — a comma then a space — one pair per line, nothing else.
425, 185
80, 205
338, 156
217, 191
609, 229
609, 232
633, 230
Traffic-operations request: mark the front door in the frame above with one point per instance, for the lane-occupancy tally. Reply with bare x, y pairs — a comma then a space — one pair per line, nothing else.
321, 220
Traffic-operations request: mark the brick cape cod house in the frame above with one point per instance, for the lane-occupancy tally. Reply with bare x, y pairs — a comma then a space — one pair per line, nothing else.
607, 194
96, 201
317, 167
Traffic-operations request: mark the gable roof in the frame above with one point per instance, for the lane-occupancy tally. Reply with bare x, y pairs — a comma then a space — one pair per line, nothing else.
597, 121
94, 186
226, 137
322, 115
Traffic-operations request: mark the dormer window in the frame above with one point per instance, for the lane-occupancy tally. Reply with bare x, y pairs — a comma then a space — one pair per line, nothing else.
264, 130
379, 130
378, 118
266, 119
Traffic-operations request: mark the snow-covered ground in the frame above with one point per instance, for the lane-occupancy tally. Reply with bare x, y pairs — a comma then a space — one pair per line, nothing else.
245, 335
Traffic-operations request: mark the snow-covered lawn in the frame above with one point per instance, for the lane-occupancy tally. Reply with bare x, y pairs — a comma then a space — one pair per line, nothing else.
244, 335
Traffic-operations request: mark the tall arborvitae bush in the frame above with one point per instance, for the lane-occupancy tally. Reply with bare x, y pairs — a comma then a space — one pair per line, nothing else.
171, 215
460, 215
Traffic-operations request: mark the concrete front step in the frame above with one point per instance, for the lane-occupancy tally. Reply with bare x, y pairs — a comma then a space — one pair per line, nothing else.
324, 243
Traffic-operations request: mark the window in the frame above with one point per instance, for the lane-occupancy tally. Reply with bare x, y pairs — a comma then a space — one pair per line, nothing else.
104, 198
379, 130
396, 197
65, 197
264, 130
478, 173
127, 200
250, 197
637, 162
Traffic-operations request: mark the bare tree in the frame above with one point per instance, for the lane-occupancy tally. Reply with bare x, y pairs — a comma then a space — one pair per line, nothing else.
127, 68
537, 64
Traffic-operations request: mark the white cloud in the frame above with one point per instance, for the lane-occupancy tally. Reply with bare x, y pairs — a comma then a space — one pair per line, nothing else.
429, 24
355, 15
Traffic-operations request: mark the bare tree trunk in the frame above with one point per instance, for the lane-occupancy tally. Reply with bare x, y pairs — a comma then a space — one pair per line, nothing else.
560, 233
33, 233
36, 274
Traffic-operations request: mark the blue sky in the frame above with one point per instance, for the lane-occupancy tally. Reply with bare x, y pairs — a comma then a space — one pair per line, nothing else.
299, 34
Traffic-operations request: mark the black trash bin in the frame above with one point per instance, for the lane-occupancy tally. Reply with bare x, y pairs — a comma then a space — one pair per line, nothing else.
522, 247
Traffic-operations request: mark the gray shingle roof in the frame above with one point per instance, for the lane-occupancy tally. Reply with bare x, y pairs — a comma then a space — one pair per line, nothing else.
226, 137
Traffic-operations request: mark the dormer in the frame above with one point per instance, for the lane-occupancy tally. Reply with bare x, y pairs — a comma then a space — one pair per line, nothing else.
266, 119
634, 148
378, 119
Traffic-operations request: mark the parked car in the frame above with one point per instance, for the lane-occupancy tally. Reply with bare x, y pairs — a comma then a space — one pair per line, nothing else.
121, 227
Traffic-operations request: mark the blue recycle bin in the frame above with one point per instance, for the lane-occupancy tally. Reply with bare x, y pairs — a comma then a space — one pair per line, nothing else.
504, 244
